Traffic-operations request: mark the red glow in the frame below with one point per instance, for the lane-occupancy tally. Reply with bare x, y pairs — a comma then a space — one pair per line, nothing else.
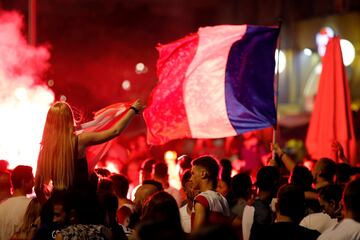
23, 102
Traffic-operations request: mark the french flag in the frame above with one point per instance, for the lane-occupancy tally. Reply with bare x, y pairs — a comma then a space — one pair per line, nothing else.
216, 83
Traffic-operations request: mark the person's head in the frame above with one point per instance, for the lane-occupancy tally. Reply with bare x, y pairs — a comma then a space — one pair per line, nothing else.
55, 161
4, 165
22, 179
184, 162
187, 185
330, 198
241, 185
351, 199
301, 176
146, 169
324, 170
5, 182
57, 200
105, 185
142, 194
291, 202
268, 180
344, 172
82, 208
120, 184
161, 171
224, 184
102, 172
204, 169
161, 207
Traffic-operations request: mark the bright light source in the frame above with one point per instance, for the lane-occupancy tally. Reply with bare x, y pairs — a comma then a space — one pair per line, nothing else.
140, 67
126, 85
112, 167
282, 61
170, 156
322, 38
307, 51
63, 98
348, 51
170, 159
51, 83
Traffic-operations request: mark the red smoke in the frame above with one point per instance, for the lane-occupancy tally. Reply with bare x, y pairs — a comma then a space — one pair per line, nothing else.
24, 100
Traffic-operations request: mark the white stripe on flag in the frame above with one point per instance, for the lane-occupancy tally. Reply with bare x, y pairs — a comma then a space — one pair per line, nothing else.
204, 90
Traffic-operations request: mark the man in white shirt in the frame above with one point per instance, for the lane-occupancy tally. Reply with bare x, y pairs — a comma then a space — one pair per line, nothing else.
13, 209
349, 227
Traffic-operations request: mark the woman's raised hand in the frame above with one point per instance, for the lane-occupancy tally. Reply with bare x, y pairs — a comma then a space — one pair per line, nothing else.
138, 105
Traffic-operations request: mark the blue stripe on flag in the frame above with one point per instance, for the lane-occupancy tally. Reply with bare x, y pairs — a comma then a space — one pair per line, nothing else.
249, 80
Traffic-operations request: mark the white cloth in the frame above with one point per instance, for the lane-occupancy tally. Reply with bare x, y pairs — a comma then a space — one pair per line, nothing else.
215, 202
318, 221
176, 194
247, 221
347, 229
185, 218
12, 211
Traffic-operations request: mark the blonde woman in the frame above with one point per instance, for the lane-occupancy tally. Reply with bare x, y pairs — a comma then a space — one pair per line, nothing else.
62, 155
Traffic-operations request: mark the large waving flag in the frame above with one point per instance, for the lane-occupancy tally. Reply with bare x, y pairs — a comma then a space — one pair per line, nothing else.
216, 83
331, 119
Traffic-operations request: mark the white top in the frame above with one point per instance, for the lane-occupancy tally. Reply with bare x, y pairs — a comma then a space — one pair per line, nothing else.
347, 229
318, 221
12, 211
185, 218
247, 221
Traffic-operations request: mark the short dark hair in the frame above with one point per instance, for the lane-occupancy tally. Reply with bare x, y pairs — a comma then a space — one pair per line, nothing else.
21, 174
185, 177
226, 169
352, 198
302, 177
331, 192
105, 185
147, 165
161, 170
121, 185
344, 172
184, 162
291, 202
268, 178
241, 185
210, 165
328, 169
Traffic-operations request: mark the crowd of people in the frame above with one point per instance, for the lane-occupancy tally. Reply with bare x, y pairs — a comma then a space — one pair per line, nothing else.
65, 199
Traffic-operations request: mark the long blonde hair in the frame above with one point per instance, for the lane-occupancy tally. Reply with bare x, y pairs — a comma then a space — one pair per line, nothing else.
56, 157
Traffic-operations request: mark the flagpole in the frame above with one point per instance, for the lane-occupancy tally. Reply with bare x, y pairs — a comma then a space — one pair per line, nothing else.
276, 87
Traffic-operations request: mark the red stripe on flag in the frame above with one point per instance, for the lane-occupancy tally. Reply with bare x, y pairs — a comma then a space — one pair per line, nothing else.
165, 115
